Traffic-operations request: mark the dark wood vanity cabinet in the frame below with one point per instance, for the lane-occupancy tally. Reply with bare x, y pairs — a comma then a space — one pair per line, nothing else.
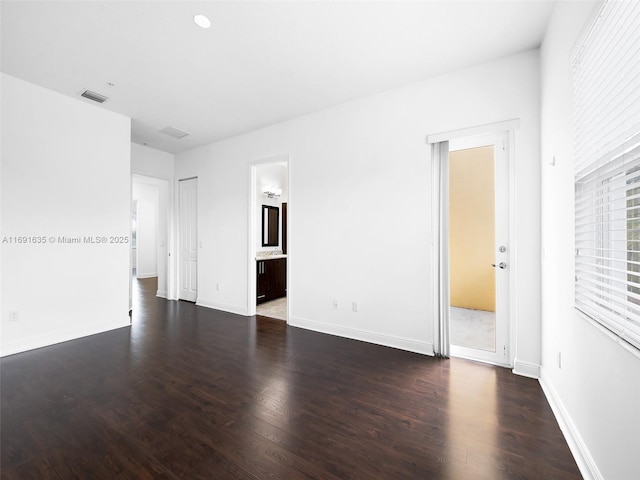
271, 279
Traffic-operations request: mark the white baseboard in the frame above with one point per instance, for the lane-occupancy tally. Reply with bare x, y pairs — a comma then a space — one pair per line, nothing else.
364, 335
49, 339
201, 302
146, 275
161, 293
356, 334
526, 369
583, 458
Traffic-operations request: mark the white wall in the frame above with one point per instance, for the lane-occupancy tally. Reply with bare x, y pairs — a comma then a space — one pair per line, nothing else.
147, 240
359, 216
154, 167
151, 162
596, 393
65, 172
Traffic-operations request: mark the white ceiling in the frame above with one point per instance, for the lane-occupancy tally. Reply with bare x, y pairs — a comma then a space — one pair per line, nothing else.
260, 62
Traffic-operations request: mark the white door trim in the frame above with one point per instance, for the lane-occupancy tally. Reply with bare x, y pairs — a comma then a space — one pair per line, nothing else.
252, 218
506, 126
440, 276
440, 248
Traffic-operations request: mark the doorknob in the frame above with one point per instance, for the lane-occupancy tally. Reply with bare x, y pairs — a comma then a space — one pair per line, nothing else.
501, 265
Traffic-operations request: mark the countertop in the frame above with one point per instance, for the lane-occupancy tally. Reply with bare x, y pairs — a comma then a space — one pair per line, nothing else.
271, 257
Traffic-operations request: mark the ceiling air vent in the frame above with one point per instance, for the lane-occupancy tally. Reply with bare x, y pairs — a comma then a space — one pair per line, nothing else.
96, 97
173, 132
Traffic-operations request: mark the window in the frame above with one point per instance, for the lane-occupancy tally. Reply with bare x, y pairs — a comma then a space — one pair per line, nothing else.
607, 176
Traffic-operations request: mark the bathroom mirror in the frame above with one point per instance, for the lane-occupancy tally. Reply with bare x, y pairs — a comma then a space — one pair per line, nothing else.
270, 221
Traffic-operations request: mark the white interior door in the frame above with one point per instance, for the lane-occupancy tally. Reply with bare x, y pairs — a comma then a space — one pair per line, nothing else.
479, 327
188, 239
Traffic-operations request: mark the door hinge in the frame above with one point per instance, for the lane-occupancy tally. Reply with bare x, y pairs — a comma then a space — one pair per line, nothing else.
504, 350
504, 145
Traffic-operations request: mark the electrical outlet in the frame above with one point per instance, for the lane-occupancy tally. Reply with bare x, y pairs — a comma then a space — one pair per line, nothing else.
354, 306
335, 305
13, 315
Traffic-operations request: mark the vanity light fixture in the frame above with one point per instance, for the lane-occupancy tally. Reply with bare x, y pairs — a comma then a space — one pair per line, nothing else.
202, 21
272, 191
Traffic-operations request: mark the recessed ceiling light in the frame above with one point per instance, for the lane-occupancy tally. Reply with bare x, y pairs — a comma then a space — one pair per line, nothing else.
202, 21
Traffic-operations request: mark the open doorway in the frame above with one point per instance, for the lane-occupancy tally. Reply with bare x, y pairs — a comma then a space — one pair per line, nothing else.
478, 241
150, 231
472, 238
472, 180
149, 240
268, 291
145, 244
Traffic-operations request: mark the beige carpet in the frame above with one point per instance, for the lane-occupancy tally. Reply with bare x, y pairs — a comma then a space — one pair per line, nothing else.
274, 309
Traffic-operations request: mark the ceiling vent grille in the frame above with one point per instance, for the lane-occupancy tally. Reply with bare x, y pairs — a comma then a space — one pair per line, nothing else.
173, 132
96, 97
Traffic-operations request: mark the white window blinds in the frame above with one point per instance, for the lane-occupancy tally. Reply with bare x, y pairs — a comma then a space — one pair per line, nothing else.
607, 182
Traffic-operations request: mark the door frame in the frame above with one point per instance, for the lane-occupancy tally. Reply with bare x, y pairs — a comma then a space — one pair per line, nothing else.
166, 255
499, 142
440, 235
253, 231
161, 260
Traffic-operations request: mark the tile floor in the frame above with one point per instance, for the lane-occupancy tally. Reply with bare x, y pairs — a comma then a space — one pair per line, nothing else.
274, 309
473, 328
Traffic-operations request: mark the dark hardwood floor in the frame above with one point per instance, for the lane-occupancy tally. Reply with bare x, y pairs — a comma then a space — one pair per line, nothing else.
194, 393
